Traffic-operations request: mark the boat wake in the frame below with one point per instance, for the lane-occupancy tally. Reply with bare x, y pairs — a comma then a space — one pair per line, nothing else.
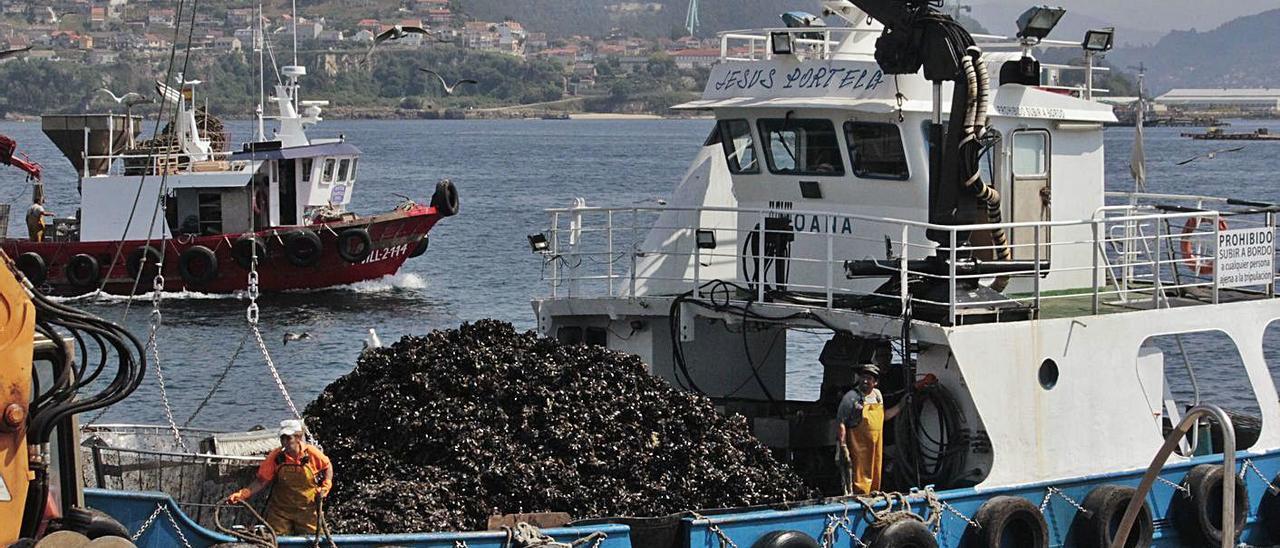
388, 284
107, 298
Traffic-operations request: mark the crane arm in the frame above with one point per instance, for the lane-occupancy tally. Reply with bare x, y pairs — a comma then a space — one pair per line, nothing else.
10, 156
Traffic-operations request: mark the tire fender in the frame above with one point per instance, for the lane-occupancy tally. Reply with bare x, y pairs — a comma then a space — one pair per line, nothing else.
420, 248
1194, 521
191, 258
903, 533
355, 244
445, 198
1008, 522
83, 271
135, 264
243, 250
302, 248
33, 266
1105, 506
785, 539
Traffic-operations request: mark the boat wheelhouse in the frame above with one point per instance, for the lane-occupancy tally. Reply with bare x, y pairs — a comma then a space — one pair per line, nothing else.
1012, 300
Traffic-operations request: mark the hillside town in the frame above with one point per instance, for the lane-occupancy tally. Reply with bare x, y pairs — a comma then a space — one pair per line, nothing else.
104, 32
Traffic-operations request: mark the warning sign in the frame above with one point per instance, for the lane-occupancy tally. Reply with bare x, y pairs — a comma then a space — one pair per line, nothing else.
1246, 257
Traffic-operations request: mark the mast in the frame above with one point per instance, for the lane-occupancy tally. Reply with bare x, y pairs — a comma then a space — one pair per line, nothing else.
260, 34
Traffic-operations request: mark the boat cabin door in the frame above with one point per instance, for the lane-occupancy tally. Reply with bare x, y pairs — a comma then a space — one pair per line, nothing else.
288, 195
1030, 191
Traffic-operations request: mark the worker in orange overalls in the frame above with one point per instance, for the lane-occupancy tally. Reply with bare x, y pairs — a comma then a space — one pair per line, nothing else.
299, 475
860, 422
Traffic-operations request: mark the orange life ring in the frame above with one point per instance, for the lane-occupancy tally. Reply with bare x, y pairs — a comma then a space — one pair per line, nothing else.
1194, 253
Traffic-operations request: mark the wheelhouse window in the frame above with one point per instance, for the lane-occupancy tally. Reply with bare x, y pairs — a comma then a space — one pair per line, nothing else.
343, 167
801, 147
307, 164
354, 163
875, 150
739, 147
328, 171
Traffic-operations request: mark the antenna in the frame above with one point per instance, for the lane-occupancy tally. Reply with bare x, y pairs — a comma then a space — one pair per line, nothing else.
260, 35
294, 10
691, 20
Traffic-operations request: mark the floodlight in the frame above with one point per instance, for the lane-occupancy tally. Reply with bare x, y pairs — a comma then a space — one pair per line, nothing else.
1099, 40
538, 243
1037, 22
781, 43
706, 239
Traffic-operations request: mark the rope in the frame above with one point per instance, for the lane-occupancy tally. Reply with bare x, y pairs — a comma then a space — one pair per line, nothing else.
267, 538
525, 535
322, 526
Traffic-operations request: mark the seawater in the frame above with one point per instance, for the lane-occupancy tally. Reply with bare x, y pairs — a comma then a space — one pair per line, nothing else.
479, 264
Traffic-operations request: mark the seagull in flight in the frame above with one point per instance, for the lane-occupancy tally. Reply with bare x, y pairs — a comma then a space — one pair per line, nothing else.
137, 99
394, 33
1210, 155
295, 337
449, 89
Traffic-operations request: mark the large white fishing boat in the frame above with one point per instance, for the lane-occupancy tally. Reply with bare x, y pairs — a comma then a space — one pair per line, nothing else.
927, 199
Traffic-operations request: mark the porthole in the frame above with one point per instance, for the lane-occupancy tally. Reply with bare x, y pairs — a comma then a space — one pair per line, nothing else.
1048, 374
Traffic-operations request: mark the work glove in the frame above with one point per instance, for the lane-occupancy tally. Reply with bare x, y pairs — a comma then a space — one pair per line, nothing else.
323, 491
238, 496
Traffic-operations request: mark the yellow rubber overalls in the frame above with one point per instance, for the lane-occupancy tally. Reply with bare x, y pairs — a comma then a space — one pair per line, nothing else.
292, 508
868, 449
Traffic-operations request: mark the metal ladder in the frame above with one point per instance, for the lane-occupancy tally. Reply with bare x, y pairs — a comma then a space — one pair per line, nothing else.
1153, 471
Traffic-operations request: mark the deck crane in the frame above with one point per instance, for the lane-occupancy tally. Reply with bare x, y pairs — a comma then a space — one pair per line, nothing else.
10, 156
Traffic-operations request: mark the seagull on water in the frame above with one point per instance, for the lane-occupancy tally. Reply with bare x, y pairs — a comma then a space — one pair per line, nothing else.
394, 33
1210, 155
295, 337
449, 89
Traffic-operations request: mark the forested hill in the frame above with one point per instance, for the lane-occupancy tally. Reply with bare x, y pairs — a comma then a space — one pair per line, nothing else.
646, 17
1239, 54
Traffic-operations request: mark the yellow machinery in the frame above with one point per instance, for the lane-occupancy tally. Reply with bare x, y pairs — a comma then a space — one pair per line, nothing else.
17, 334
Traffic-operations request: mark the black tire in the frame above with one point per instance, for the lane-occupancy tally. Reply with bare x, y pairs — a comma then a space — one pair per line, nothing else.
1106, 506
354, 244
243, 251
1200, 514
786, 539
135, 263
198, 265
32, 265
445, 198
83, 271
420, 248
302, 248
1008, 522
1269, 512
904, 533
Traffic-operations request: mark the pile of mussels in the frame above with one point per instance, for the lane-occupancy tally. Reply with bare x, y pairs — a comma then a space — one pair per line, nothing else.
437, 433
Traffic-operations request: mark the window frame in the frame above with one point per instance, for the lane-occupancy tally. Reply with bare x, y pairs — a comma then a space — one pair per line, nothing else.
766, 143
329, 169
729, 145
849, 147
1046, 153
344, 170
307, 165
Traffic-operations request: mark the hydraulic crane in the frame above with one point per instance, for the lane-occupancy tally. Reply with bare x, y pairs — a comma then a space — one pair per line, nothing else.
10, 156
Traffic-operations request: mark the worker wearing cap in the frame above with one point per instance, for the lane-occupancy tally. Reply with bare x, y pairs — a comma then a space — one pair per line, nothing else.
36, 214
860, 433
299, 475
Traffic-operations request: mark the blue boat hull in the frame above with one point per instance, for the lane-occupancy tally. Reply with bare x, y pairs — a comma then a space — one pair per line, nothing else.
744, 528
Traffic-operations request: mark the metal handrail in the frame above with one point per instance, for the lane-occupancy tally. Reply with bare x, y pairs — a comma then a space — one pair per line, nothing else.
1170, 443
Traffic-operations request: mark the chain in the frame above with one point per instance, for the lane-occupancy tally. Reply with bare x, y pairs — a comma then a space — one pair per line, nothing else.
724, 539
1186, 491
1249, 465
151, 520
1055, 491
841, 523
459, 544
959, 514
156, 321
251, 314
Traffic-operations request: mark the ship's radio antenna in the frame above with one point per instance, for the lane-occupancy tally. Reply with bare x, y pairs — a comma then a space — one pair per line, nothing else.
261, 36
294, 10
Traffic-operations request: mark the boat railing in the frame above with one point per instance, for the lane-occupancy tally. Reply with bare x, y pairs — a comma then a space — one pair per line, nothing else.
1175, 437
127, 457
163, 160
1157, 252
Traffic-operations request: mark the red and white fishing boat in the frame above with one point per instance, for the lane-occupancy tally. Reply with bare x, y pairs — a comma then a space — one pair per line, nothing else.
182, 204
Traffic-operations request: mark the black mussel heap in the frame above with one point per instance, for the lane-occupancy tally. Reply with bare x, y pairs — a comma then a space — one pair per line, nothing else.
437, 433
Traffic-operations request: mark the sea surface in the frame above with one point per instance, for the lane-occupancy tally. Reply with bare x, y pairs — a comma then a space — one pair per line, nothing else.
479, 264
